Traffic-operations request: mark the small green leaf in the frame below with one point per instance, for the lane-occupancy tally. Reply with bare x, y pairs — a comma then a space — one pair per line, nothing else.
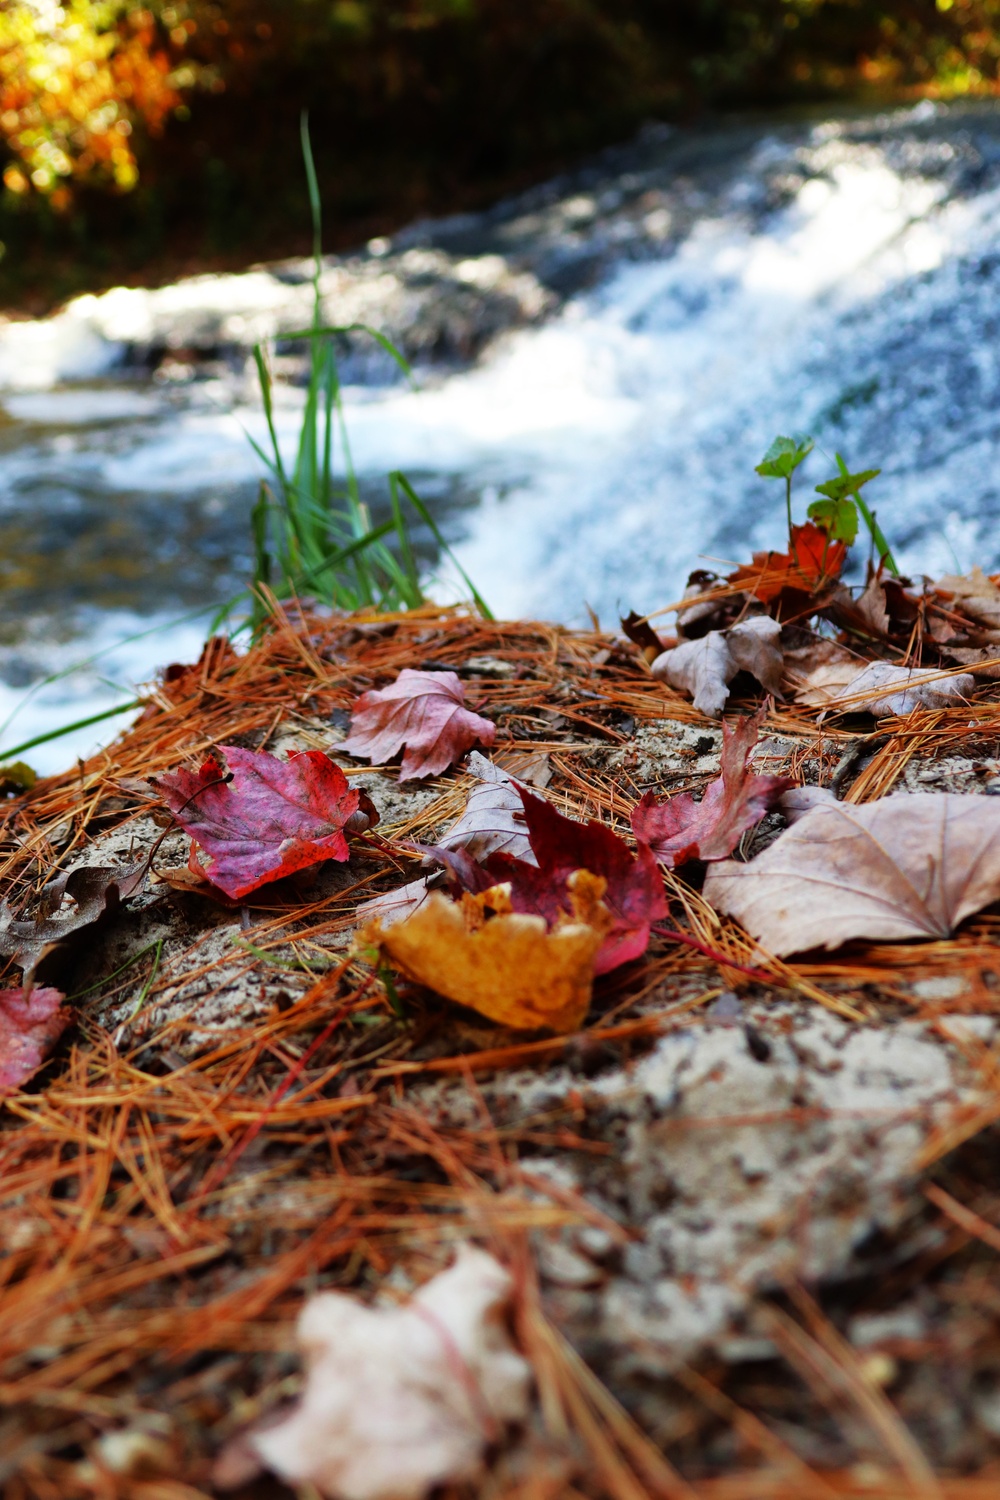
385, 974
839, 518
17, 777
784, 456
846, 484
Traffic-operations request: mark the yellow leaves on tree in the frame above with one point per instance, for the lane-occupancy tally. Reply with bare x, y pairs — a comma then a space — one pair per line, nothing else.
504, 964
75, 78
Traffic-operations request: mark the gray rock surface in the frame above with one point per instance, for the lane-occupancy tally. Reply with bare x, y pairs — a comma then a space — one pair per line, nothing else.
743, 1155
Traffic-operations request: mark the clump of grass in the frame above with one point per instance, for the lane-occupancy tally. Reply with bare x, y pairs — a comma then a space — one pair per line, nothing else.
312, 532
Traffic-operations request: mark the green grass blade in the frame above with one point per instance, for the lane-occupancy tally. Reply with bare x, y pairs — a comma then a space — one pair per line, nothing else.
874, 529
334, 330
412, 591
264, 379
57, 734
312, 182
428, 520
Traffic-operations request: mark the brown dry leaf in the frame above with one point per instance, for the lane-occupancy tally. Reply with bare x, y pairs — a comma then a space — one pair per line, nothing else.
816, 673
705, 667
867, 614
982, 661
506, 966
976, 595
870, 608
884, 687
87, 894
911, 865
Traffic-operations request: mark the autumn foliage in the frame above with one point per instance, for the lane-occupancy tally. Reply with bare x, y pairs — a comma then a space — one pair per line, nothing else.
463, 90
75, 80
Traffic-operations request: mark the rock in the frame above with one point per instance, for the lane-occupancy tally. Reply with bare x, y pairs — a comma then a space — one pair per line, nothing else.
729, 1174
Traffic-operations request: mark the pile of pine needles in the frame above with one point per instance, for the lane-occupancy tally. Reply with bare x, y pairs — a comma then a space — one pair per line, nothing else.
169, 1196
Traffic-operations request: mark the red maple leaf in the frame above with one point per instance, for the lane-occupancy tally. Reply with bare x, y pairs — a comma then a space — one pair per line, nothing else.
634, 894
811, 562
30, 1026
423, 711
267, 818
683, 829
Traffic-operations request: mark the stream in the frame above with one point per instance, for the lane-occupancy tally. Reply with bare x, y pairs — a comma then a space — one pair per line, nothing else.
598, 365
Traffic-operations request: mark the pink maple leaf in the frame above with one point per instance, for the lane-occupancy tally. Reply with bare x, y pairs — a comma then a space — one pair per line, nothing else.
425, 713
634, 894
682, 829
30, 1026
267, 819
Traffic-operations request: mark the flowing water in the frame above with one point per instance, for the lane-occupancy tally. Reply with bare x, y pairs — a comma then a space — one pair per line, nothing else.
599, 365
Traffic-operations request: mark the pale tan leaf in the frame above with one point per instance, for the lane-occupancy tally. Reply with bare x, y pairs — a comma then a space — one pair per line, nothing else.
907, 866
754, 647
884, 687
400, 1400
982, 661
395, 906
817, 672
702, 668
493, 819
976, 595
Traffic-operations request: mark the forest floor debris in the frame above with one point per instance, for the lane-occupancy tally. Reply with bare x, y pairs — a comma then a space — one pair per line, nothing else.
749, 1209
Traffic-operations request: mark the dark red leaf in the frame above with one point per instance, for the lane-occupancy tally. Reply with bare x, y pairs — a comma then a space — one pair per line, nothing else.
634, 894
425, 713
683, 829
273, 817
30, 1026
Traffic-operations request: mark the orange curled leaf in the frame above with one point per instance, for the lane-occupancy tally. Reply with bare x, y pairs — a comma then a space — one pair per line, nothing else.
505, 964
812, 561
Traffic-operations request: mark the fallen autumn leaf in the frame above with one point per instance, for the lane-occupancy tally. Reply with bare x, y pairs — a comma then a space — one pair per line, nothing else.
911, 865
682, 829
884, 687
705, 667
399, 1400
30, 1026
813, 561
493, 820
72, 901
425, 713
267, 819
502, 963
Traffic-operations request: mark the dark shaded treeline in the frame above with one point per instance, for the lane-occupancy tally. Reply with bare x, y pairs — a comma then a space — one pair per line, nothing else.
430, 106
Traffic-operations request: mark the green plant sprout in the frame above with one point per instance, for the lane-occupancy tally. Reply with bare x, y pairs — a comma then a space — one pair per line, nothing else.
780, 462
839, 508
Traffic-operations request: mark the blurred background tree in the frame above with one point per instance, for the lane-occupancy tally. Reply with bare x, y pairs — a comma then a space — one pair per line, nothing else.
141, 140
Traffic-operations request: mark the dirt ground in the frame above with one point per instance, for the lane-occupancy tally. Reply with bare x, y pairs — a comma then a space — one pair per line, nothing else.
753, 1225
